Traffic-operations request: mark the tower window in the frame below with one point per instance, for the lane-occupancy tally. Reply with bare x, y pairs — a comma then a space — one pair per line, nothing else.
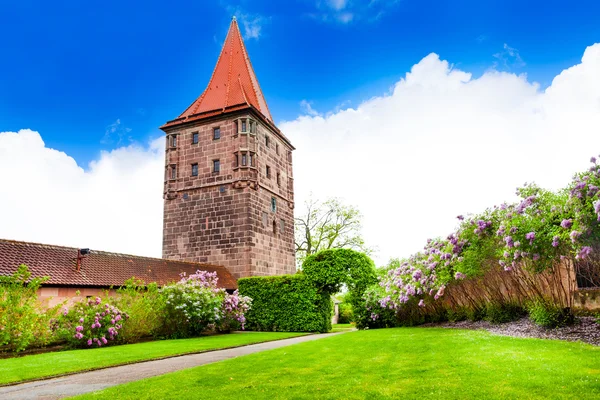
268, 172
237, 160
267, 141
243, 125
216, 133
174, 172
251, 161
274, 227
277, 148
173, 141
195, 138
194, 169
244, 159
216, 166
253, 127
278, 179
273, 204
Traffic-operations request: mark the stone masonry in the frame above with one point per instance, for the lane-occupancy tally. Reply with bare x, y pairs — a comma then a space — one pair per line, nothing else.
237, 217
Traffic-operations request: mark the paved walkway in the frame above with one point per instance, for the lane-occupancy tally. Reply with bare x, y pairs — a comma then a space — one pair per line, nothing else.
86, 382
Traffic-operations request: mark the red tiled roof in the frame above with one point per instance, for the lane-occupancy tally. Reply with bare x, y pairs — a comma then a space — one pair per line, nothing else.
99, 268
233, 82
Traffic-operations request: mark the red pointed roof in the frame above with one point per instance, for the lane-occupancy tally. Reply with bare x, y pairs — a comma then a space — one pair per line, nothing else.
233, 82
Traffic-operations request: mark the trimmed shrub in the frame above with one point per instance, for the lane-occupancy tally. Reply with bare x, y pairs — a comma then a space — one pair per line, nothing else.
329, 269
548, 315
286, 303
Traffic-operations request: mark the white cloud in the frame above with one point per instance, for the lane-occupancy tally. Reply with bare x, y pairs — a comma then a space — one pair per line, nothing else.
508, 58
115, 206
251, 23
443, 143
116, 133
337, 4
307, 108
348, 11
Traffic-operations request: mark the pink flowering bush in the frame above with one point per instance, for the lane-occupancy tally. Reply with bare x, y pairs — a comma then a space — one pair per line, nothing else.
91, 323
499, 261
195, 304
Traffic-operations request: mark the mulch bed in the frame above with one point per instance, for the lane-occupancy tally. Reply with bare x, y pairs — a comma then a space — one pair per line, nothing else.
585, 329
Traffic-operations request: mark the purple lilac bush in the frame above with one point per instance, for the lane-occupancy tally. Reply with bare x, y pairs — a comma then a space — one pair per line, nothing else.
195, 304
532, 236
91, 323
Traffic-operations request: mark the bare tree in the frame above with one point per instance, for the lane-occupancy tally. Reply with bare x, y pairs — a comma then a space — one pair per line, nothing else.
328, 225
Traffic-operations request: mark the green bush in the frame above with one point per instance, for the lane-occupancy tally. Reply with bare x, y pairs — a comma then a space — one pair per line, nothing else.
457, 314
145, 306
346, 315
548, 315
23, 322
498, 313
329, 269
287, 303
474, 313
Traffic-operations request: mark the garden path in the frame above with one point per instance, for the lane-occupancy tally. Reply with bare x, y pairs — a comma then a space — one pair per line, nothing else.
92, 381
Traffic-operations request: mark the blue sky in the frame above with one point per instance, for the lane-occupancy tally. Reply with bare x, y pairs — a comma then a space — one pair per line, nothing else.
72, 69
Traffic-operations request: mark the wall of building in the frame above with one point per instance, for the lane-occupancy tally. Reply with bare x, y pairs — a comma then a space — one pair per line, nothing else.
226, 218
51, 296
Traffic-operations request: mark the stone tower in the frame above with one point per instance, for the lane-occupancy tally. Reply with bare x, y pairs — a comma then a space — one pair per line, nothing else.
229, 189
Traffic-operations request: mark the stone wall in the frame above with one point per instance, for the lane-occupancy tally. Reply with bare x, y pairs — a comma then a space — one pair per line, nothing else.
237, 217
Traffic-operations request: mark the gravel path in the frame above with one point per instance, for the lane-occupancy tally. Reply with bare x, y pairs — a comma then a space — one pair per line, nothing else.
585, 329
86, 382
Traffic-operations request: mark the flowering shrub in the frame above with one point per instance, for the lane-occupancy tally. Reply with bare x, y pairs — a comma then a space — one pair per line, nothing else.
508, 255
91, 323
23, 322
234, 308
195, 304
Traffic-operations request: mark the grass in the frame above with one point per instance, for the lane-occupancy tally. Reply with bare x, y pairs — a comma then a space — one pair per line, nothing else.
59, 363
341, 327
389, 364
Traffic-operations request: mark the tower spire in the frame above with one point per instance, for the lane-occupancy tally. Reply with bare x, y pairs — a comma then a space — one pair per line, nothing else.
233, 83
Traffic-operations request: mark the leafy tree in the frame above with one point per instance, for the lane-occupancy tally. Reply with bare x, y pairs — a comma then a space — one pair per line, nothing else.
328, 225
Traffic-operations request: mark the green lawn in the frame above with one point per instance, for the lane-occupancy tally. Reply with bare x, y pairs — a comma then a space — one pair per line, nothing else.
57, 363
389, 363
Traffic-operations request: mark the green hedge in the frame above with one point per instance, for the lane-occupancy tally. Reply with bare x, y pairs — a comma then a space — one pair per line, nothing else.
286, 303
